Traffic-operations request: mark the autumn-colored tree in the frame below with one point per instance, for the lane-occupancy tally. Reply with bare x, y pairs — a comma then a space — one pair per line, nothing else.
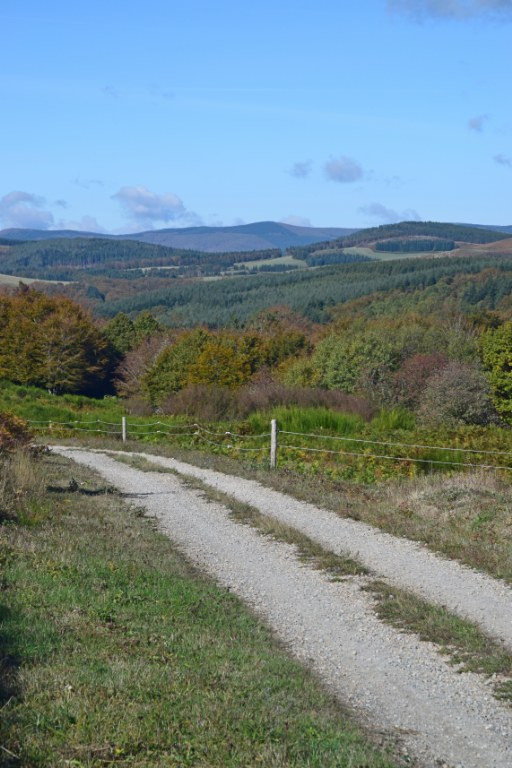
221, 362
14, 433
407, 384
51, 343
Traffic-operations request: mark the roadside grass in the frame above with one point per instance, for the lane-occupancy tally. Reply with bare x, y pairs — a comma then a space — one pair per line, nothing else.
461, 640
115, 650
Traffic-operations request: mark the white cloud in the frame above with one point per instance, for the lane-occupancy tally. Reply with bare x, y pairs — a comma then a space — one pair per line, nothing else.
477, 123
297, 221
24, 210
453, 9
503, 160
145, 208
301, 169
388, 215
343, 169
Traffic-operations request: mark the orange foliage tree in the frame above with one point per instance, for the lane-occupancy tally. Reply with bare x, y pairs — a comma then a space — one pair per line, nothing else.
51, 343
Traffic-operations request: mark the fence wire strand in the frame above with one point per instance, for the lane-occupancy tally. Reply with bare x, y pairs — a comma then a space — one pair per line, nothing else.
397, 445
391, 458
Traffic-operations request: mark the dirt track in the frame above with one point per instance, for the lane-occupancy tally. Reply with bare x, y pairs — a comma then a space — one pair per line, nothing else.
401, 684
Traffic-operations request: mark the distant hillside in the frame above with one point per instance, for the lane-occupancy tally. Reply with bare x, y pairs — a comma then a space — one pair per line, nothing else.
458, 233
245, 237
79, 257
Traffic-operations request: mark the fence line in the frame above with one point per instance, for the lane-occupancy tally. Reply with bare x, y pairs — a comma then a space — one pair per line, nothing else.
274, 446
393, 458
399, 445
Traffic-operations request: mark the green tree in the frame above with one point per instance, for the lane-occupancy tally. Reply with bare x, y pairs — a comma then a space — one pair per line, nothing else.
121, 333
496, 350
170, 370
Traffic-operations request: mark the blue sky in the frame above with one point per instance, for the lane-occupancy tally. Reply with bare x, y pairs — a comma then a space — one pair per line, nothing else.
121, 117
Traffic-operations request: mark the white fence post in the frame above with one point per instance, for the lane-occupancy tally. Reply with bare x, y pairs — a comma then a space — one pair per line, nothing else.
123, 428
273, 444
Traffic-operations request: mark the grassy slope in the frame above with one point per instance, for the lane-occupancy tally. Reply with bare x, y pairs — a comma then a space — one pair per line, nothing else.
116, 651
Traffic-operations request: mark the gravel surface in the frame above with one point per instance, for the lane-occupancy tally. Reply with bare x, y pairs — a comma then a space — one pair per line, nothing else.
400, 684
469, 593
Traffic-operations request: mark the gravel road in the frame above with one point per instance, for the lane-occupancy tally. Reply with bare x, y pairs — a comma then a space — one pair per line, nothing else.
399, 684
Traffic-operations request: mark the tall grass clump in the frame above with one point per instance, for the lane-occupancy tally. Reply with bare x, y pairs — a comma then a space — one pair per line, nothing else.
392, 420
22, 485
308, 420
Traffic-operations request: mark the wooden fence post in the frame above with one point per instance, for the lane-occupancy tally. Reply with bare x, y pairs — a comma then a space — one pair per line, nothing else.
273, 444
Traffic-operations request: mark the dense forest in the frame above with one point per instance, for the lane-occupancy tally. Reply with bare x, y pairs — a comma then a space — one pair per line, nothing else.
312, 294
79, 258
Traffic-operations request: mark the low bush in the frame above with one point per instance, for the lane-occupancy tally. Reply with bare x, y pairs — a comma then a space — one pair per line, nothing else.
457, 394
14, 433
205, 402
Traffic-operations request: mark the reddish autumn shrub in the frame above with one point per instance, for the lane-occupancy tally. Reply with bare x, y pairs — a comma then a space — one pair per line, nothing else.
204, 402
409, 382
264, 393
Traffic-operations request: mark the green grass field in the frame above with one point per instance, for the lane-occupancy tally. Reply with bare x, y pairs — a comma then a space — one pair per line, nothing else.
115, 651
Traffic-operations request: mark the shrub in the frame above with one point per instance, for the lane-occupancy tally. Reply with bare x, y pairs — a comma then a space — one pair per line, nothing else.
205, 402
264, 393
457, 394
408, 383
14, 433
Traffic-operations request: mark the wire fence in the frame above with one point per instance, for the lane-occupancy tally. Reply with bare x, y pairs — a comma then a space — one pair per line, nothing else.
268, 443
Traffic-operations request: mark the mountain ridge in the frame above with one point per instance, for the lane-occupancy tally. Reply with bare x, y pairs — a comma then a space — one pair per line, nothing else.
242, 237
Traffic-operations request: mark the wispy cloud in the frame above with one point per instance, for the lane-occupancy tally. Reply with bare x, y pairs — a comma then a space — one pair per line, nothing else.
24, 210
343, 169
147, 208
453, 9
110, 91
503, 160
477, 123
389, 215
87, 183
301, 169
